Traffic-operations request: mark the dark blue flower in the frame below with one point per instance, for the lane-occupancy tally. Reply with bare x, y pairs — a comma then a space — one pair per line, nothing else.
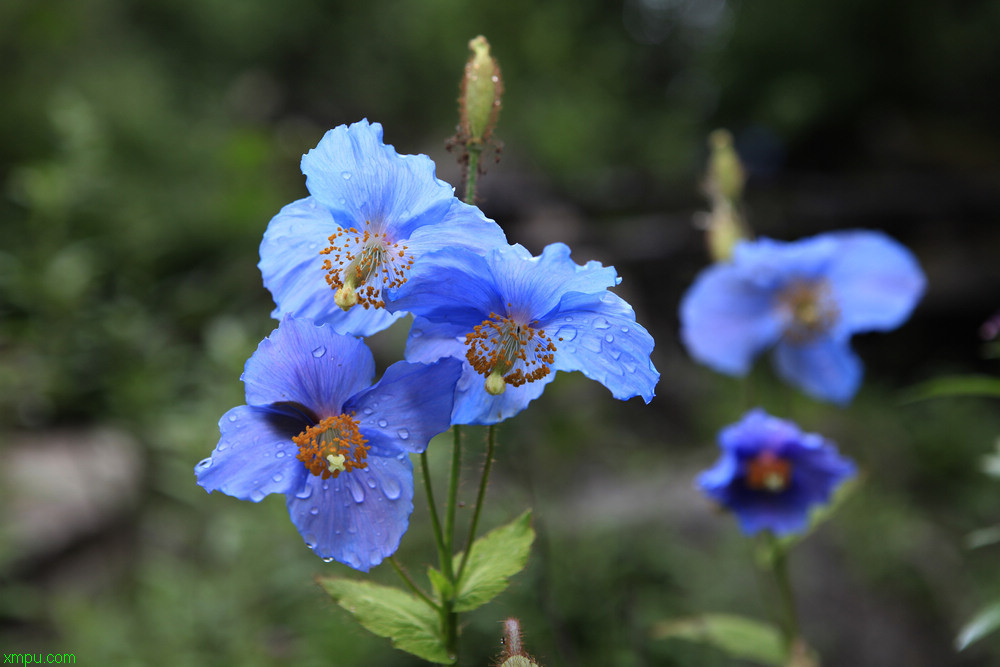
514, 319
371, 215
315, 429
805, 300
771, 474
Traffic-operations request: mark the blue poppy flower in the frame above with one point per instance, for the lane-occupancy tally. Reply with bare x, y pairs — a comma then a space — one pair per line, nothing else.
514, 319
315, 429
771, 474
371, 215
805, 300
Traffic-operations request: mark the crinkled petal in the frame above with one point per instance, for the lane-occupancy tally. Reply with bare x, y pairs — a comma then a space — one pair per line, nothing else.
430, 341
407, 407
877, 281
452, 285
357, 518
597, 335
360, 179
826, 368
309, 365
726, 320
769, 264
462, 226
255, 455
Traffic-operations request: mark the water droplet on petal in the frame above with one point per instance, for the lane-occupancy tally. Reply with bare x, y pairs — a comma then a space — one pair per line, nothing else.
328, 560
346, 175
624, 329
357, 492
314, 511
319, 351
609, 338
591, 343
371, 483
278, 477
232, 416
342, 201
391, 488
304, 492
222, 447
367, 411
383, 423
615, 353
310, 540
256, 495
280, 454
601, 323
403, 434
416, 333
565, 334
204, 464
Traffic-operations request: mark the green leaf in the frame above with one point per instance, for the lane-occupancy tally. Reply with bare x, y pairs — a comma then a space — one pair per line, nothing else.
982, 624
494, 558
954, 385
738, 636
983, 537
442, 587
411, 624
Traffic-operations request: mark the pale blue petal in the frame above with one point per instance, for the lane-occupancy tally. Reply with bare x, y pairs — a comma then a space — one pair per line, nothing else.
727, 320
877, 281
826, 368
255, 455
462, 226
597, 335
357, 518
361, 179
308, 365
769, 264
407, 407
451, 285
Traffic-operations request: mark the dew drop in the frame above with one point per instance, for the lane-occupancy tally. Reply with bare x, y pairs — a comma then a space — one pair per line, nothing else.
204, 464
383, 423
566, 333
222, 447
304, 492
403, 434
346, 175
342, 201
357, 492
391, 488
624, 329
278, 477
280, 454
314, 511
310, 540
328, 560
629, 366
256, 495
416, 333
371, 483
367, 411
591, 343
232, 416
615, 353
609, 338
601, 323
319, 351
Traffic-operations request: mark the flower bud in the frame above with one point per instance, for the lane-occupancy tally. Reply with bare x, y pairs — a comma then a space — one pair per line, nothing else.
482, 87
725, 176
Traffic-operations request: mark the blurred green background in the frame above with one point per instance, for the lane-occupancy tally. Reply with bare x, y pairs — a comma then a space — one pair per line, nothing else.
145, 144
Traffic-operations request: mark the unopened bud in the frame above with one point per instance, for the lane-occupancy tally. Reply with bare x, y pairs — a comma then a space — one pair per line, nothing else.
514, 654
724, 228
482, 88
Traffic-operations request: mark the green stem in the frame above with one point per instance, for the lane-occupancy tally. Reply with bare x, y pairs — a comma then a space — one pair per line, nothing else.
443, 554
779, 565
411, 585
491, 442
472, 172
449, 517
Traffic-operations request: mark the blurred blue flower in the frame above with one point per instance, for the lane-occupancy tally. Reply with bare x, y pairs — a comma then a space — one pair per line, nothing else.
515, 319
771, 474
315, 429
371, 215
805, 299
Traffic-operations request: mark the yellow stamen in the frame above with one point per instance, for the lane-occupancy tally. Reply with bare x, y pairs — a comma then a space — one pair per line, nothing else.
332, 446
508, 352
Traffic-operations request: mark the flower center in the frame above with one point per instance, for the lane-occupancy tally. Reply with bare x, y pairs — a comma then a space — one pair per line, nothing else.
508, 352
809, 309
332, 446
361, 264
768, 472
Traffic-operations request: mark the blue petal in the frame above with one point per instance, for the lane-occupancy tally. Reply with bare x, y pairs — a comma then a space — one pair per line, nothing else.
406, 408
357, 518
361, 179
876, 280
726, 319
292, 269
429, 341
769, 264
826, 368
452, 285
462, 226
255, 455
308, 365
597, 335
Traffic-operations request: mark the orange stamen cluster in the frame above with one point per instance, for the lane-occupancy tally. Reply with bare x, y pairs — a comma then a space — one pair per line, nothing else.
367, 261
517, 351
332, 446
768, 472
810, 309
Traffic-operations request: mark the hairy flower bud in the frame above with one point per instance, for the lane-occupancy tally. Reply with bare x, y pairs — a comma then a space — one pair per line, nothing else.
482, 87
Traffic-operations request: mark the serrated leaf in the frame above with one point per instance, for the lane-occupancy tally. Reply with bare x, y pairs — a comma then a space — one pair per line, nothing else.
409, 622
493, 559
982, 624
954, 385
738, 636
442, 587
